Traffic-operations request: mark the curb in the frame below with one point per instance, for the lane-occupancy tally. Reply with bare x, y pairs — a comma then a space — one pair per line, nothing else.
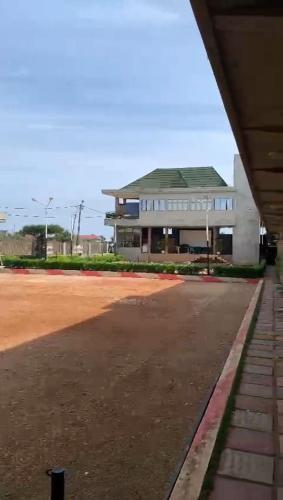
192, 474
128, 274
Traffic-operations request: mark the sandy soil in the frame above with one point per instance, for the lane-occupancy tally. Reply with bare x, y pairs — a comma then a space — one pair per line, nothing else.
105, 377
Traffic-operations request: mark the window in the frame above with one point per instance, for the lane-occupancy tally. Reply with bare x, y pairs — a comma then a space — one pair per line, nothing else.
183, 205
159, 205
206, 204
128, 237
172, 205
223, 204
175, 204
199, 204
143, 205
146, 205
149, 205
196, 205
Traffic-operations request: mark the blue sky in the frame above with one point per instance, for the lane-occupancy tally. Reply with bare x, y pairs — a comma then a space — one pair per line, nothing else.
95, 93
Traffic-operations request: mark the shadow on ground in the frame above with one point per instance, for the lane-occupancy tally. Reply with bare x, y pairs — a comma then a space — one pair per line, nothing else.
113, 399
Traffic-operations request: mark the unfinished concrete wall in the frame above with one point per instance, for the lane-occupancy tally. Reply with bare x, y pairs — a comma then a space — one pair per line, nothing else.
131, 254
87, 248
16, 245
246, 230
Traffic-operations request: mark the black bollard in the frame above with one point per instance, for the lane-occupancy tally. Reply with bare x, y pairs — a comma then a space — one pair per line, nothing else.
57, 484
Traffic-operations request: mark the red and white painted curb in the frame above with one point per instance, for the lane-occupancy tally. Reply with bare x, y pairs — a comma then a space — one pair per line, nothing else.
190, 480
127, 274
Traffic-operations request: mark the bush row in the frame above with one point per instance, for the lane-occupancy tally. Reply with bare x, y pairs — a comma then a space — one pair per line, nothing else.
256, 271
106, 257
100, 265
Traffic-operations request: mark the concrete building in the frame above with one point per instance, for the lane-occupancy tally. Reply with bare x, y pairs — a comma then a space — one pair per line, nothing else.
164, 215
3, 217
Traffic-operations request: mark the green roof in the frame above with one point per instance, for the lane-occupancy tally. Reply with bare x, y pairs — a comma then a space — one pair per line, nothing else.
169, 178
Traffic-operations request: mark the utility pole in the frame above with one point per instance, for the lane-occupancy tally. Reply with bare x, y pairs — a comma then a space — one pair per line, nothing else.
73, 224
81, 207
208, 202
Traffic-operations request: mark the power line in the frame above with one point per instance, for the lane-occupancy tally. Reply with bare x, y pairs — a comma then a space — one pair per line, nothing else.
94, 210
55, 208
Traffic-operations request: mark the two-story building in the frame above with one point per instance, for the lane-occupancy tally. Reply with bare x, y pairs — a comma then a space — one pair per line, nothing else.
169, 214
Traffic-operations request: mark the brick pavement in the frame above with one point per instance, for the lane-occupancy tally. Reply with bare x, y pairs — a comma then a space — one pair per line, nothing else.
251, 467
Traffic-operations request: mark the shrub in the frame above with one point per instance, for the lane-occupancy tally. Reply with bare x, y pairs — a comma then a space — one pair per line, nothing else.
107, 257
100, 264
256, 271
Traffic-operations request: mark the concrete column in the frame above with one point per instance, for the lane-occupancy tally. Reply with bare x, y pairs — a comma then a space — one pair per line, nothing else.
166, 240
246, 229
141, 241
215, 233
149, 239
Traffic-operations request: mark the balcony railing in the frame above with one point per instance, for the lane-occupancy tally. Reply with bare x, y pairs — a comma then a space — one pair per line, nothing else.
125, 211
115, 215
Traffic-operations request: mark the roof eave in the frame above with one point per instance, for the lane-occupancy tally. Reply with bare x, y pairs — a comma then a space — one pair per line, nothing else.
120, 193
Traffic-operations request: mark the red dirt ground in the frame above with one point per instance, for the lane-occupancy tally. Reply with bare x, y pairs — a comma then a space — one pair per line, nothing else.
106, 378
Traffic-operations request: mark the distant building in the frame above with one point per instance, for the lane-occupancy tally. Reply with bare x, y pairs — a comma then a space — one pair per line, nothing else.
163, 215
3, 217
89, 245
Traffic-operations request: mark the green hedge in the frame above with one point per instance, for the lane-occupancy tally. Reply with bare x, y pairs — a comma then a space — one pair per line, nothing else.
256, 271
106, 257
100, 264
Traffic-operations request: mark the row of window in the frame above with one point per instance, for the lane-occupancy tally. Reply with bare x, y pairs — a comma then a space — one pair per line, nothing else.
184, 205
128, 237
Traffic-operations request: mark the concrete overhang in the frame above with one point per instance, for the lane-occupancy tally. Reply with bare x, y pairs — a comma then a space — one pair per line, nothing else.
244, 43
222, 190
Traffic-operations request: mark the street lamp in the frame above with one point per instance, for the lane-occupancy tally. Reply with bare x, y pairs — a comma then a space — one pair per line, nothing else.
45, 206
208, 207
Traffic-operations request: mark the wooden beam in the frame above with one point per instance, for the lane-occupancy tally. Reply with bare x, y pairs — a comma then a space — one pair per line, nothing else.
269, 170
244, 23
212, 42
266, 129
271, 191
267, 8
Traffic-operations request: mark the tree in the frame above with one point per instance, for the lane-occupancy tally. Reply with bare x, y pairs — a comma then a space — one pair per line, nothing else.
38, 230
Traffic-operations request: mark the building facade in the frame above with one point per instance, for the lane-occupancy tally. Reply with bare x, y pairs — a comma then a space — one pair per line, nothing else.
164, 216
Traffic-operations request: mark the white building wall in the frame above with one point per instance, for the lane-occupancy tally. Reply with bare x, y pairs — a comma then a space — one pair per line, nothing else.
188, 218
246, 230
